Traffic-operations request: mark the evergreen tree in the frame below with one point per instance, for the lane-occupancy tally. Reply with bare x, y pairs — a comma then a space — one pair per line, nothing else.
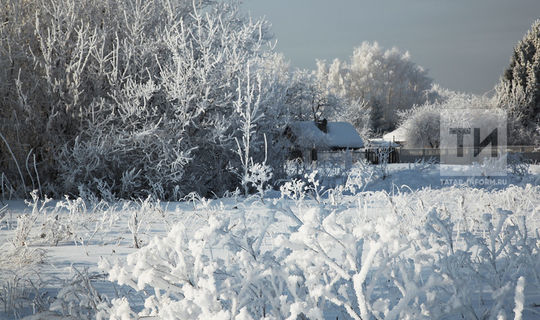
519, 89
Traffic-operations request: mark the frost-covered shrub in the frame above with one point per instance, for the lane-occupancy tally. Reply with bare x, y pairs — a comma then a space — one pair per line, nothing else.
141, 214
309, 186
408, 254
118, 310
13, 256
421, 124
122, 95
360, 176
293, 189
259, 175
54, 230
221, 270
373, 267
48, 77
27, 221
483, 266
51, 225
73, 220
335, 257
78, 298
518, 165
189, 107
20, 290
422, 127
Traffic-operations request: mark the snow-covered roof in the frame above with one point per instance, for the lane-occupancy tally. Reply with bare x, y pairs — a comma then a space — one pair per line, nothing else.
343, 135
396, 135
340, 135
377, 143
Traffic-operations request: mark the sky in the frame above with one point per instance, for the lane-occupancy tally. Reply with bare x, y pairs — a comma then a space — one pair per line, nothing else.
464, 44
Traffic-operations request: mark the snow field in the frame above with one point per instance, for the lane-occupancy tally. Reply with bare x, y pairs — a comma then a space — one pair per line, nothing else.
419, 253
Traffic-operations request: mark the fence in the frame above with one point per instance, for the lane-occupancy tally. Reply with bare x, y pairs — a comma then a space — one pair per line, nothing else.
330, 161
406, 155
373, 155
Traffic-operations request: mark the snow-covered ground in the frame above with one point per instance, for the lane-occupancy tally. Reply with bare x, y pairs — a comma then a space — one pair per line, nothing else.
410, 246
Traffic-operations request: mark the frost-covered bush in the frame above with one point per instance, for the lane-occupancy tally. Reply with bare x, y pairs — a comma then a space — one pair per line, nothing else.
259, 176
121, 96
78, 298
518, 165
141, 214
294, 189
405, 255
309, 186
421, 124
490, 264
69, 220
54, 230
364, 173
427, 271
143, 141
20, 290
48, 77
14, 257
334, 257
219, 271
360, 176
47, 224
26, 222
422, 127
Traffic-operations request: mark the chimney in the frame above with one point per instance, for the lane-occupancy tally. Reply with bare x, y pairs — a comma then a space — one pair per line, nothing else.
322, 125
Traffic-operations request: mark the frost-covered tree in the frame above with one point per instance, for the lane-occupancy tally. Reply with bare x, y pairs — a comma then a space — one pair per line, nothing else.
308, 100
422, 127
387, 81
135, 96
359, 114
311, 98
46, 81
519, 89
421, 124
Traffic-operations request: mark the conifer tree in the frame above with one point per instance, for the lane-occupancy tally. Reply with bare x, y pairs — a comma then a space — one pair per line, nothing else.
519, 89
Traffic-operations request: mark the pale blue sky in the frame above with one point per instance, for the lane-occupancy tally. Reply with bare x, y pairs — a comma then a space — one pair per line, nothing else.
465, 44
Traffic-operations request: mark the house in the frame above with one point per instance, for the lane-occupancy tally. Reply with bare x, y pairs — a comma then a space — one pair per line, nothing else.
397, 136
308, 138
